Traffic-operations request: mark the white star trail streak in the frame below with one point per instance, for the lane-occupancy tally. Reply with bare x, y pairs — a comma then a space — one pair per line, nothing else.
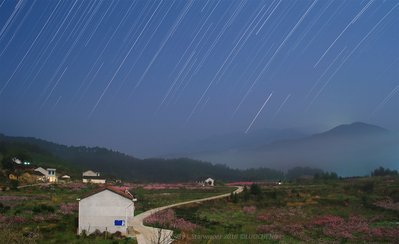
257, 114
385, 100
51, 92
281, 106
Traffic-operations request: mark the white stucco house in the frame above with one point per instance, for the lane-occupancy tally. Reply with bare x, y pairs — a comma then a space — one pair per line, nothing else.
50, 173
90, 173
209, 182
90, 176
107, 209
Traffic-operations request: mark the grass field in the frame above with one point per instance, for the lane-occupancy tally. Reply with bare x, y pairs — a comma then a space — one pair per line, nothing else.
153, 198
347, 211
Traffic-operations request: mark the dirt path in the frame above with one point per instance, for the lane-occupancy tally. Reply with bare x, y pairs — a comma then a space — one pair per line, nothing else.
149, 235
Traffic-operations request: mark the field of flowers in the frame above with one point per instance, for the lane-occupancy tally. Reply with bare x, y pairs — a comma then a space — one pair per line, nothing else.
361, 210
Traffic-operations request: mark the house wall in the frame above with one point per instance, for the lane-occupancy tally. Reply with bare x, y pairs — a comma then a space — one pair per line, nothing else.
94, 181
99, 211
52, 178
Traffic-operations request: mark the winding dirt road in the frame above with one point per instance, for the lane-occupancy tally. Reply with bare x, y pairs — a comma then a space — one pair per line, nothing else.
149, 235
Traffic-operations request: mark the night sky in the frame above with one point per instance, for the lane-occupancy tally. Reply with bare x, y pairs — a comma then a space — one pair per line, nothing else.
137, 76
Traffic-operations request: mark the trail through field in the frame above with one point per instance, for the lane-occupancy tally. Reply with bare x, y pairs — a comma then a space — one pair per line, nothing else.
150, 235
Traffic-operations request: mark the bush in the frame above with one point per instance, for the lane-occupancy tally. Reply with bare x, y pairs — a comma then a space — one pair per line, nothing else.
42, 208
368, 187
9, 235
3, 209
381, 171
395, 196
14, 184
255, 190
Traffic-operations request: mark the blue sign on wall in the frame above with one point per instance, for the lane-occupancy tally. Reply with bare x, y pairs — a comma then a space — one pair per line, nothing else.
119, 222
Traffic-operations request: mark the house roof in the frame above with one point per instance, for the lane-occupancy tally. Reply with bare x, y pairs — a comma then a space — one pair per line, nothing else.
125, 194
38, 173
90, 171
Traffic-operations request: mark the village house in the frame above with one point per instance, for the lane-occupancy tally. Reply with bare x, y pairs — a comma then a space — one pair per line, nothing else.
90, 176
64, 179
209, 182
108, 209
50, 174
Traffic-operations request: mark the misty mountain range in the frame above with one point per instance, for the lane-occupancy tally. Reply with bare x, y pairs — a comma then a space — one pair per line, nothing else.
352, 149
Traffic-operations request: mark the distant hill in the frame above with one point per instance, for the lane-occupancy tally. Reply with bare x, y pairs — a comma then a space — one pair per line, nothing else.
237, 140
118, 165
352, 149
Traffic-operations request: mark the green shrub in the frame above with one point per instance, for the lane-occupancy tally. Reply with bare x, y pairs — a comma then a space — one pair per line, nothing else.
255, 190
14, 184
395, 196
43, 208
368, 187
3, 209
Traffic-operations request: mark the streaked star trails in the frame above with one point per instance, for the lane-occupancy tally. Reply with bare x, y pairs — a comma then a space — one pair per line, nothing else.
52, 89
29, 50
192, 67
342, 32
385, 101
324, 73
171, 32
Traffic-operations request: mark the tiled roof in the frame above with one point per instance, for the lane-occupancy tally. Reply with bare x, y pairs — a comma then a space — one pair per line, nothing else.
125, 193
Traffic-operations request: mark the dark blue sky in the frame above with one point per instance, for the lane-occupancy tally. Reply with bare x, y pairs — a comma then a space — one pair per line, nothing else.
137, 76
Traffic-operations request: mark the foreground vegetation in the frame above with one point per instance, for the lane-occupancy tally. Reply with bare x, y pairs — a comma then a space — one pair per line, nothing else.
49, 213
322, 211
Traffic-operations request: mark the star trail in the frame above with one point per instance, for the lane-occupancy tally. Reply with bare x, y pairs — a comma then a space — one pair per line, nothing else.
139, 75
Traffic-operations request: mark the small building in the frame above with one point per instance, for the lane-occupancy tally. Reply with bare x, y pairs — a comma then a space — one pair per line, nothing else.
90, 173
50, 174
64, 179
209, 182
16, 160
90, 176
107, 209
